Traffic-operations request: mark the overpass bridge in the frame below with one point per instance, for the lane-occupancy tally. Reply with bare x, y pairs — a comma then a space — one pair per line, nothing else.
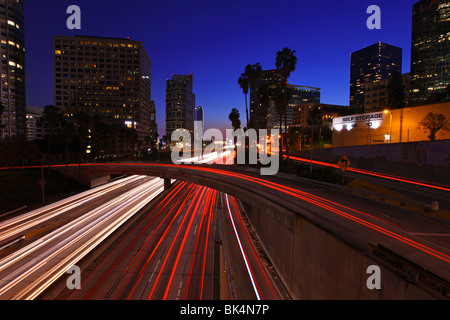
322, 243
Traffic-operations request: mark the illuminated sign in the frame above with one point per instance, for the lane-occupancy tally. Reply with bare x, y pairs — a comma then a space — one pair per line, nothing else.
372, 120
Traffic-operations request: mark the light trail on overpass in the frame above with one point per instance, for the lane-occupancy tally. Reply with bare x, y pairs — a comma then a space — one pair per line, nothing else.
373, 173
321, 202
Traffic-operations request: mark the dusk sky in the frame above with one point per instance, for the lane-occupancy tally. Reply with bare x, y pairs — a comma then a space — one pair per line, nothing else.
214, 40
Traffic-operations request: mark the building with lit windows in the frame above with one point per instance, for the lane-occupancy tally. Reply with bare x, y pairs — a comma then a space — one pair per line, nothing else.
259, 117
299, 95
13, 95
371, 64
180, 102
109, 78
430, 52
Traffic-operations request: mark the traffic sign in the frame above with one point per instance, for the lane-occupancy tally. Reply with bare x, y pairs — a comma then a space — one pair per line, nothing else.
344, 163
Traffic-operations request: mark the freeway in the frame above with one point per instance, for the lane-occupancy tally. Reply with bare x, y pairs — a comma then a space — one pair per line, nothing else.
417, 190
20, 225
29, 270
175, 252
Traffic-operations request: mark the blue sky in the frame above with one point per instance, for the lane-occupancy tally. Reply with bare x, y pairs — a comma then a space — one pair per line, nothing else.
214, 40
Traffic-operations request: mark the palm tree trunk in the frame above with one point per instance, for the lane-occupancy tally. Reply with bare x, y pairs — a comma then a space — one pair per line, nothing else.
281, 140
287, 142
246, 110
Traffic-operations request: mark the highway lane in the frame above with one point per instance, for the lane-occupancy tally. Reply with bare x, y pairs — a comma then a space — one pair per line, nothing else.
19, 225
252, 279
171, 253
420, 191
28, 271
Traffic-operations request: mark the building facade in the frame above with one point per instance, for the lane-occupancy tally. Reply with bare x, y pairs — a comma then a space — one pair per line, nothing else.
430, 51
258, 116
33, 116
382, 127
375, 93
13, 95
371, 64
109, 78
299, 95
180, 102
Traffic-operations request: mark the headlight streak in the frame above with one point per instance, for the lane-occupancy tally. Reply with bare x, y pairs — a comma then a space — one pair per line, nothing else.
304, 196
242, 250
103, 224
37, 216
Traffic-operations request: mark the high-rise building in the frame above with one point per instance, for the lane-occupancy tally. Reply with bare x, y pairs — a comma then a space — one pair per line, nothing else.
199, 117
109, 78
371, 64
33, 116
180, 102
13, 95
430, 51
257, 117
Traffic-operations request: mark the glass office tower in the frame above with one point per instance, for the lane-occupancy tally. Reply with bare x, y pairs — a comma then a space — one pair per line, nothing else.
430, 52
13, 95
371, 64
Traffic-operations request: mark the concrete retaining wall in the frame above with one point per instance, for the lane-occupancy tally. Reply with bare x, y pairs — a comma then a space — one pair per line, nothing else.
314, 264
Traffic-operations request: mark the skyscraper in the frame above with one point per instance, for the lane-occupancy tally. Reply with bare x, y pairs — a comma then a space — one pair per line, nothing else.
199, 117
13, 99
430, 51
180, 102
371, 64
258, 117
105, 77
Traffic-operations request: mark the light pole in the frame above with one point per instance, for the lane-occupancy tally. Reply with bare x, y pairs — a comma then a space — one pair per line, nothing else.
390, 124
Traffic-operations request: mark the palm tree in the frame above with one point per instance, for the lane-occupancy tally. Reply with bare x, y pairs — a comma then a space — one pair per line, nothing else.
244, 85
252, 73
69, 133
51, 116
286, 62
281, 96
234, 118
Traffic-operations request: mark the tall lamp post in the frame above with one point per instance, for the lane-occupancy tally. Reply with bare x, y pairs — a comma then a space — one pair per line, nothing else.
390, 124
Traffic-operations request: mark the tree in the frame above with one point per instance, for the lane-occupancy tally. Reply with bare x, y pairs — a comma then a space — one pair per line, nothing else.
244, 85
252, 73
69, 133
52, 116
433, 122
2, 126
395, 91
286, 62
234, 118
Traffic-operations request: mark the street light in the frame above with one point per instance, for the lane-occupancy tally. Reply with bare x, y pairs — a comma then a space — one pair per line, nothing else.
390, 124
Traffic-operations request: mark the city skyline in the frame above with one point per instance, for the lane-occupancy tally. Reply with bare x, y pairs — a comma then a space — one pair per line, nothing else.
215, 41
